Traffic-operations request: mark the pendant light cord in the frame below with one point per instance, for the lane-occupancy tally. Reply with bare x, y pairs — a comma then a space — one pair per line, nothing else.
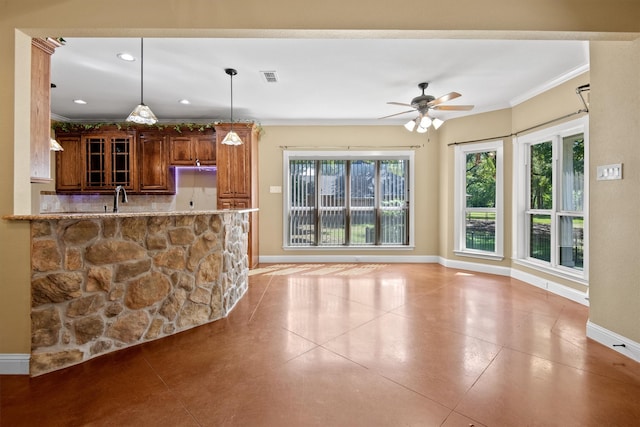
231, 75
142, 71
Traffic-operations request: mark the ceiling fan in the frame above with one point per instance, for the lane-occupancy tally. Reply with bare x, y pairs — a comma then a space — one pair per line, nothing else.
422, 104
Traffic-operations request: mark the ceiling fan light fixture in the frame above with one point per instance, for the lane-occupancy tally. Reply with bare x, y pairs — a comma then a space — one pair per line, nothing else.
231, 138
425, 121
410, 125
142, 114
437, 123
421, 129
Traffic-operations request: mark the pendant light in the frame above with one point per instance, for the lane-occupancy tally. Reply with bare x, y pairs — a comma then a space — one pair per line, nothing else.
231, 138
142, 114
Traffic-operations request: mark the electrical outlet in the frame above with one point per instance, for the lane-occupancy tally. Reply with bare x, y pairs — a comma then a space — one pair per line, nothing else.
191, 204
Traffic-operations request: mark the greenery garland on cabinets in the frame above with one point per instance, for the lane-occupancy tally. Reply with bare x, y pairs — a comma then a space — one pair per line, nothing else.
178, 127
66, 127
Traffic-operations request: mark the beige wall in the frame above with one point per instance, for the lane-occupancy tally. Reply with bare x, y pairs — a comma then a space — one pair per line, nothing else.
478, 126
464, 18
550, 105
615, 205
339, 138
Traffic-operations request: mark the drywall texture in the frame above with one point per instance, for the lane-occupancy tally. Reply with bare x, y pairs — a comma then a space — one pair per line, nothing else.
615, 205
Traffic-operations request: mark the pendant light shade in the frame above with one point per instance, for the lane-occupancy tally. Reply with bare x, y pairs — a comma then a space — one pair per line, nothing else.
231, 138
142, 114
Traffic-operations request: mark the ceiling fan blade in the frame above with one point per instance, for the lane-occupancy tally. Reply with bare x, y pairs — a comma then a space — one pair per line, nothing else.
453, 107
444, 98
400, 103
397, 114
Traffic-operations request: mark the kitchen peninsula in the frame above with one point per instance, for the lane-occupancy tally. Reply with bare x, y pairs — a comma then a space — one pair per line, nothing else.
105, 281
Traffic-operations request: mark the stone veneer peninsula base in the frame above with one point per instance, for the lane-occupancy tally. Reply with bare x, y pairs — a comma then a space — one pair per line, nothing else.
103, 282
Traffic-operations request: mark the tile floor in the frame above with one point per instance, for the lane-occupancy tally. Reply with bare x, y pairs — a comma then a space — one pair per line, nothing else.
352, 345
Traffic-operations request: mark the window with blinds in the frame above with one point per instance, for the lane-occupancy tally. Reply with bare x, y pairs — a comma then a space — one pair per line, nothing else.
347, 201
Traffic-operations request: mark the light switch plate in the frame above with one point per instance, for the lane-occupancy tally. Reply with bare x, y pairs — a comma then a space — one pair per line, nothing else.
275, 189
609, 172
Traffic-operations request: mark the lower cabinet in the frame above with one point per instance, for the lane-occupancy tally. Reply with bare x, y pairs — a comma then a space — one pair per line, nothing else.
234, 203
253, 246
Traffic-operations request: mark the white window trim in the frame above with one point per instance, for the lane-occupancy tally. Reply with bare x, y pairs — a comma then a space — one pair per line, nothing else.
460, 201
288, 155
520, 194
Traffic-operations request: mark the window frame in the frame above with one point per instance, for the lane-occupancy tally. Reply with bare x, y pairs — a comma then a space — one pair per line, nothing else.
521, 197
460, 201
348, 155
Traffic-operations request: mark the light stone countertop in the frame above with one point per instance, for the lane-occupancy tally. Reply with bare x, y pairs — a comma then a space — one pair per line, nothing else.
97, 214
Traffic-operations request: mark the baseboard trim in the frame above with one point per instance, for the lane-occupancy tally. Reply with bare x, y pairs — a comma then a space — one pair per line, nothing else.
14, 364
389, 259
553, 287
474, 266
614, 341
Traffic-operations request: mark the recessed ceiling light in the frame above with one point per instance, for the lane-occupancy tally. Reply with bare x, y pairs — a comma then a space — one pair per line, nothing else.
80, 101
184, 102
126, 57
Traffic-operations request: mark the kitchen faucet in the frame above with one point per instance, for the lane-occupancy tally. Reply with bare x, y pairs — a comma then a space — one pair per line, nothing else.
115, 197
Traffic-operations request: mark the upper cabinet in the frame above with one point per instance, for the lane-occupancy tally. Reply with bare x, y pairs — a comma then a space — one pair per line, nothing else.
237, 164
41, 51
155, 174
69, 164
193, 148
97, 158
110, 160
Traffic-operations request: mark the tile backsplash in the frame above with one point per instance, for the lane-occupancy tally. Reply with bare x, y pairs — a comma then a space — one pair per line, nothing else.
195, 189
52, 202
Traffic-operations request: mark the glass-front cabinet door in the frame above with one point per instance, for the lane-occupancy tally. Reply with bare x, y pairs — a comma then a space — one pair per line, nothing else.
109, 160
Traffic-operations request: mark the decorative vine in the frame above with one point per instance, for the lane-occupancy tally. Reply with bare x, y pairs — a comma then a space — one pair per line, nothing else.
178, 127
66, 127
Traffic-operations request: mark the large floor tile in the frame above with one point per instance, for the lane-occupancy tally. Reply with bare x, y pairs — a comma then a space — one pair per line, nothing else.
440, 365
520, 389
318, 388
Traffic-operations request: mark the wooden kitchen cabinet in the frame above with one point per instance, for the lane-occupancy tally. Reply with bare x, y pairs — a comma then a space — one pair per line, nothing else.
109, 161
235, 164
233, 204
193, 148
237, 177
138, 157
69, 164
155, 174
41, 51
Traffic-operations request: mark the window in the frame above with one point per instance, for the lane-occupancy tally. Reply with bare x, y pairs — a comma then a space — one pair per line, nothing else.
348, 199
552, 193
478, 204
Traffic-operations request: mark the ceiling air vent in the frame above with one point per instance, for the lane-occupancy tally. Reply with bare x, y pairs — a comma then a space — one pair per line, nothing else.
269, 76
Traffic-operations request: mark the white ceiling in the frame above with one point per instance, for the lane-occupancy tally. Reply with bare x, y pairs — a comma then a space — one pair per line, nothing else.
321, 81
